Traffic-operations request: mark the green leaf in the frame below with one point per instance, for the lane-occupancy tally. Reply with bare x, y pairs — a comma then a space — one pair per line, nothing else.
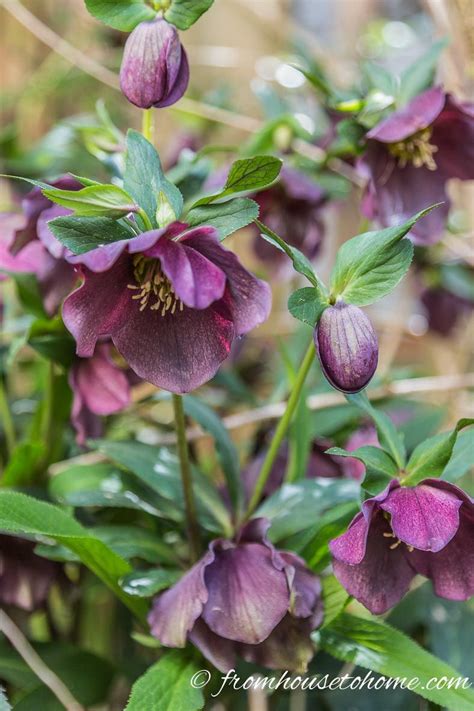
335, 598
328, 526
379, 78
301, 263
24, 515
307, 305
94, 201
388, 436
29, 294
431, 457
370, 265
144, 178
81, 234
420, 75
51, 340
462, 459
22, 466
184, 13
227, 217
166, 686
376, 646
298, 505
245, 175
380, 467
123, 15
226, 450
146, 583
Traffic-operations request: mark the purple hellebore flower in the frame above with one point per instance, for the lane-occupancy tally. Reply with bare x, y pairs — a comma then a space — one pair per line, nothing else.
444, 309
292, 209
100, 387
243, 598
25, 578
364, 436
412, 154
426, 529
347, 347
155, 70
171, 300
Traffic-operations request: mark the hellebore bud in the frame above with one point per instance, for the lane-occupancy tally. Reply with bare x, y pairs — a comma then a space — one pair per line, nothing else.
347, 347
155, 70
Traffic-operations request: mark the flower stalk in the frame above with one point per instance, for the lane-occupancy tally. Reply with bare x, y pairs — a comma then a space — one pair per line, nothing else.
281, 429
147, 124
186, 478
7, 420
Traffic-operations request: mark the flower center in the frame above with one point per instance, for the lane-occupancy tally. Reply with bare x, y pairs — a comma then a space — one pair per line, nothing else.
397, 542
151, 283
415, 149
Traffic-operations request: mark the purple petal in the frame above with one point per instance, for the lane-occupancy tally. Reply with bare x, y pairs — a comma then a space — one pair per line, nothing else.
175, 611
219, 651
381, 579
453, 133
422, 516
180, 84
196, 280
398, 193
248, 596
289, 646
56, 278
53, 245
100, 259
350, 547
248, 298
451, 570
103, 385
100, 305
305, 587
300, 186
418, 114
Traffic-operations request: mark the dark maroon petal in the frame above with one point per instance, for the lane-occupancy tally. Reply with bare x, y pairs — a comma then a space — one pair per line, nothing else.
248, 298
381, 579
443, 309
25, 578
196, 280
422, 516
176, 352
451, 570
86, 423
248, 596
453, 134
175, 611
396, 194
219, 651
418, 114
347, 347
289, 646
56, 278
305, 587
101, 304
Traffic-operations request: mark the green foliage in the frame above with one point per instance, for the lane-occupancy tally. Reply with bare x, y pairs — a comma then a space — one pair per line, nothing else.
146, 583
376, 646
387, 433
51, 340
419, 76
166, 686
81, 234
227, 217
123, 15
184, 13
334, 597
380, 467
94, 201
306, 305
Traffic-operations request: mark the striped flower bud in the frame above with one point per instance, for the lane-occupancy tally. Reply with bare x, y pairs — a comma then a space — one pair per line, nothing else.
347, 347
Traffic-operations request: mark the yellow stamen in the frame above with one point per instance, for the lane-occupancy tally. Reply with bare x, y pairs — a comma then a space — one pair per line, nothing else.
415, 149
150, 280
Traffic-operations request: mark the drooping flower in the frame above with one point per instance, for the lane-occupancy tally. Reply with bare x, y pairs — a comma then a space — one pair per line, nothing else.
444, 309
99, 387
410, 157
155, 70
243, 599
292, 209
25, 578
171, 300
347, 347
426, 529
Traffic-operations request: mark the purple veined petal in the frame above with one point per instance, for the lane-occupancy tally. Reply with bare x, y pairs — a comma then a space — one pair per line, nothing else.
53, 245
418, 114
217, 650
196, 280
289, 646
383, 576
453, 134
180, 84
177, 352
103, 385
101, 259
422, 516
102, 303
248, 596
398, 193
305, 587
143, 72
175, 611
350, 547
451, 570
248, 298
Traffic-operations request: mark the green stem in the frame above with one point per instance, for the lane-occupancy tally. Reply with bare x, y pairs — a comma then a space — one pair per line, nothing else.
47, 414
186, 478
7, 420
147, 124
281, 429
146, 219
